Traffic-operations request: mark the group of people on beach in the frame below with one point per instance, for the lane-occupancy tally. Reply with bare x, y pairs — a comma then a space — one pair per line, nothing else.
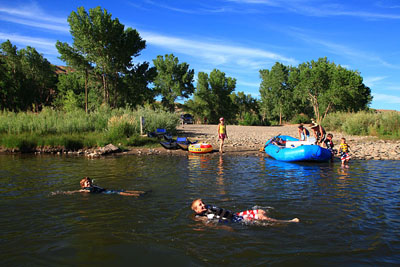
325, 140
319, 133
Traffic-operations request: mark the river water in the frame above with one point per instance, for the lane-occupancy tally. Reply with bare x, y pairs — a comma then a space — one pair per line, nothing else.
347, 216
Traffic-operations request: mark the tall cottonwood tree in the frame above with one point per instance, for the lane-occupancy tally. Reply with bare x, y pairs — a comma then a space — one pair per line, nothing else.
28, 80
275, 91
320, 85
212, 97
329, 87
106, 45
174, 80
78, 62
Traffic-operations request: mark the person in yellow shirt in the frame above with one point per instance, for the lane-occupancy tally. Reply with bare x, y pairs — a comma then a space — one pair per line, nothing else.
222, 134
344, 150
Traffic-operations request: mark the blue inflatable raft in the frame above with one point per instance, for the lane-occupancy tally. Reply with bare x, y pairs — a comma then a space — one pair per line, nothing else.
287, 148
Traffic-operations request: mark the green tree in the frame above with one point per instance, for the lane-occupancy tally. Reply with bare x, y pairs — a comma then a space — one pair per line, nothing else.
11, 78
173, 80
28, 79
276, 93
135, 90
78, 62
41, 78
332, 88
106, 45
246, 107
70, 89
212, 97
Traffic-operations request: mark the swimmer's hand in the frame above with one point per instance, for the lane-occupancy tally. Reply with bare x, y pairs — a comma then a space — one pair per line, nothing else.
296, 220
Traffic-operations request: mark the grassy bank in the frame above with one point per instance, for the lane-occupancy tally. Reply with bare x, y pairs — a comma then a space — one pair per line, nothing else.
385, 125
75, 130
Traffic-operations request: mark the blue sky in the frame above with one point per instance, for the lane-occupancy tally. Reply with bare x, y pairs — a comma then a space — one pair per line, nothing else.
238, 37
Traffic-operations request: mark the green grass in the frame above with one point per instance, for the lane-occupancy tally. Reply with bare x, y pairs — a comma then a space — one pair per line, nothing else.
384, 125
76, 129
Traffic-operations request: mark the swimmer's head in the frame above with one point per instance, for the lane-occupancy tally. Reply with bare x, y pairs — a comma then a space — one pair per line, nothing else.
86, 182
198, 206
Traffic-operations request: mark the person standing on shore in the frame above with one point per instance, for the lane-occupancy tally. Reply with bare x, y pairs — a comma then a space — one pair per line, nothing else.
222, 134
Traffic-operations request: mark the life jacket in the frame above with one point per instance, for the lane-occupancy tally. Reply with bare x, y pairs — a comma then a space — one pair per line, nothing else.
220, 214
344, 148
95, 189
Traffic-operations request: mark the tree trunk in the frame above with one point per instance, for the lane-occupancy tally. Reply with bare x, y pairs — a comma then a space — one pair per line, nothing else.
86, 90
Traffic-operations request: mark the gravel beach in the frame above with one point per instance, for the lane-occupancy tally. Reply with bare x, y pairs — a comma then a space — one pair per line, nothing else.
247, 140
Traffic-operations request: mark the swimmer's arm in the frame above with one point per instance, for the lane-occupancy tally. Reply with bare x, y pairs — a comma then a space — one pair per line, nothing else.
70, 192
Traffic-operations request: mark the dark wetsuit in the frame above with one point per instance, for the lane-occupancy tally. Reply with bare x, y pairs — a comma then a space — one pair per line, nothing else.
329, 145
96, 190
222, 215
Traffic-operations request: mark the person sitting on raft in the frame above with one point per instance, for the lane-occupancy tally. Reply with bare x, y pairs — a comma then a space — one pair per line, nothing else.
304, 134
87, 186
210, 212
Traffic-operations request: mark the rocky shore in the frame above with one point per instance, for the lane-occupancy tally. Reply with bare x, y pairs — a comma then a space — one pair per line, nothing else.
247, 140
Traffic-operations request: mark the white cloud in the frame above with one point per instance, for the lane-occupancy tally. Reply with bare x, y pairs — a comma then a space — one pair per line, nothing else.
371, 81
37, 24
215, 52
339, 49
33, 12
390, 99
45, 44
319, 8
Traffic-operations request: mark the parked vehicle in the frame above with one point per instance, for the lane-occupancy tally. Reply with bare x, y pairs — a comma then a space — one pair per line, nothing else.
187, 119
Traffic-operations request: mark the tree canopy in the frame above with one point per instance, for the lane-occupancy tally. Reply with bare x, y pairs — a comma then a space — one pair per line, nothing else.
212, 96
27, 79
173, 80
321, 85
104, 44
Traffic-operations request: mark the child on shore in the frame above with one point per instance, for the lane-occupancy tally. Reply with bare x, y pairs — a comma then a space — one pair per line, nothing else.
209, 212
344, 150
87, 186
222, 134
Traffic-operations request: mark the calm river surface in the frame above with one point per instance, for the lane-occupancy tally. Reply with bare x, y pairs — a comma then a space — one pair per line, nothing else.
347, 216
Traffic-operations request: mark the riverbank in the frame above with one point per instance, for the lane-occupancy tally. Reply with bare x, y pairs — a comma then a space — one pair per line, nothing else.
247, 140
244, 140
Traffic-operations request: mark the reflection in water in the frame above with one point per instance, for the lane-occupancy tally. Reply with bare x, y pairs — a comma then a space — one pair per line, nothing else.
220, 176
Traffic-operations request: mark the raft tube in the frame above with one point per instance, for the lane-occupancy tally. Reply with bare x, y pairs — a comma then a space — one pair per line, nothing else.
200, 148
290, 150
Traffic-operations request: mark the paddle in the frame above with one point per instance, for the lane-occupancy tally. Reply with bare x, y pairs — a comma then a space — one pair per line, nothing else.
267, 143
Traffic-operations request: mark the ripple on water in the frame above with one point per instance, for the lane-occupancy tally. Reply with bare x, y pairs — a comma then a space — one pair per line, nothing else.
347, 215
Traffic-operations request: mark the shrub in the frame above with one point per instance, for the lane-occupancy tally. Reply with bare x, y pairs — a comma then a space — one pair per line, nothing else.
300, 118
389, 124
250, 119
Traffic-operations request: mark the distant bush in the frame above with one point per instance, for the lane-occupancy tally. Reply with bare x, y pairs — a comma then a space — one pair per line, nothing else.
384, 125
250, 119
300, 118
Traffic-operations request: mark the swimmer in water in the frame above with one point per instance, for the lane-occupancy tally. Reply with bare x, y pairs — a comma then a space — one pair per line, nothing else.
209, 212
87, 186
